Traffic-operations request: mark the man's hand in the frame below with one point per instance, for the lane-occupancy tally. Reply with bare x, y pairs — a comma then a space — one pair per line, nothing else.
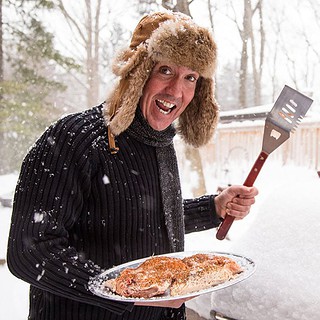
235, 201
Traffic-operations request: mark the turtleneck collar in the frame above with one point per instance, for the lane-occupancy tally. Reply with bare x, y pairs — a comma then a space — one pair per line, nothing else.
143, 132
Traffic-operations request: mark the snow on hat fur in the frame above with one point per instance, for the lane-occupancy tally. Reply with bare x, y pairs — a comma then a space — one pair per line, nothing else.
171, 38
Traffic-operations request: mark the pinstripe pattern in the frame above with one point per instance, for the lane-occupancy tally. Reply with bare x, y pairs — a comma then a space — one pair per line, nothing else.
77, 207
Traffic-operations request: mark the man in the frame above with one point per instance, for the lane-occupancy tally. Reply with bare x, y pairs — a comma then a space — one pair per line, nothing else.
101, 187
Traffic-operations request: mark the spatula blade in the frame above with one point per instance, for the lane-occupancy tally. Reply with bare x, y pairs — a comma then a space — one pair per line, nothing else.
289, 109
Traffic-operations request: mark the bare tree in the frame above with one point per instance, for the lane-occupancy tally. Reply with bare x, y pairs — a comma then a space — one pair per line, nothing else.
249, 36
145, 6
210, 7
1, 76
244, 34
178, 6
274, 55
88, 30
257, 66
1, 49
299, 63
312, 51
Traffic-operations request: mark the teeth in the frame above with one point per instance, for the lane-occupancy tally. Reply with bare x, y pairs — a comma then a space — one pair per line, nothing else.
167, 104
164, 112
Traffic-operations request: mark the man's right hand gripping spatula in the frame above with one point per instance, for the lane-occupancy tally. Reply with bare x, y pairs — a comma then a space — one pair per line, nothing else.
287, 112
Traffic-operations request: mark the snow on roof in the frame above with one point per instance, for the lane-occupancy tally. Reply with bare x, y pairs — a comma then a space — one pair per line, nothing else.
249, 110
258, 113
251, 113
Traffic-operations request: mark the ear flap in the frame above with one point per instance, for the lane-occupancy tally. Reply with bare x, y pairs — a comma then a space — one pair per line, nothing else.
123, 102
127, 60
198, 122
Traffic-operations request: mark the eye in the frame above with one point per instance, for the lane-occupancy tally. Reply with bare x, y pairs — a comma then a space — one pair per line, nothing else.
192, 78
165, 70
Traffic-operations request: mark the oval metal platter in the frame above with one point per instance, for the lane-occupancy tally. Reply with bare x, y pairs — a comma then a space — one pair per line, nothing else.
96, 284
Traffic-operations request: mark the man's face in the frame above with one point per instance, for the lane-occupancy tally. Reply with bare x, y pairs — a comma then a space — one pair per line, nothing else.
168, 91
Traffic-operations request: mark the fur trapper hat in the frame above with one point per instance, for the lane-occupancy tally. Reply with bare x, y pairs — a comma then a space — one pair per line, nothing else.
166, 37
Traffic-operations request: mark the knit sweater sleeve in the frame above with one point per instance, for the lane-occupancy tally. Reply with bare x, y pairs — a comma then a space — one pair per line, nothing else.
52, 186
200, 214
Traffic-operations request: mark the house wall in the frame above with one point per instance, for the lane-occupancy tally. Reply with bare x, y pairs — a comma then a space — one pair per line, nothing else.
235, 147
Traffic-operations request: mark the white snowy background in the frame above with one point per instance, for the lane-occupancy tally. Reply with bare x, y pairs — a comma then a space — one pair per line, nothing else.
281, 235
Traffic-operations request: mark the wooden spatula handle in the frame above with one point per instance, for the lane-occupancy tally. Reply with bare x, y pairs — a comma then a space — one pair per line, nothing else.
251, 178
227, 222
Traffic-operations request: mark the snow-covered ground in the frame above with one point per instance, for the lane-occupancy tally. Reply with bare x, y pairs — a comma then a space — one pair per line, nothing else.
281, 235
13, 292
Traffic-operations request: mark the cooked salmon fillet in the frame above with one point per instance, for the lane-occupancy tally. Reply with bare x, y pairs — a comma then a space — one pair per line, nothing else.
157, 275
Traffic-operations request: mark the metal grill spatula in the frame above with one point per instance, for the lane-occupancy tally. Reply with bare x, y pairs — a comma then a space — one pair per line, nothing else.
287, 112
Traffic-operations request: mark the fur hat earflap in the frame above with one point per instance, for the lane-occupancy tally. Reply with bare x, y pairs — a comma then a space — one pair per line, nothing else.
122, 104
173, 38
198, 122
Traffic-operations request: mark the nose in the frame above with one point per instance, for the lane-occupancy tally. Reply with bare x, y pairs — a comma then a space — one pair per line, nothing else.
175, 88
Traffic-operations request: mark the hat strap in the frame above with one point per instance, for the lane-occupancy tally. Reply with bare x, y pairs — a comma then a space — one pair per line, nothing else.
112, 143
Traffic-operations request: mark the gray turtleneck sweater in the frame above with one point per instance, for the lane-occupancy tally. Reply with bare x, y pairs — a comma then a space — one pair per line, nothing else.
78, 210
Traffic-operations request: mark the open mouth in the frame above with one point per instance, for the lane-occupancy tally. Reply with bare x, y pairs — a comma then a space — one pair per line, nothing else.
165, 107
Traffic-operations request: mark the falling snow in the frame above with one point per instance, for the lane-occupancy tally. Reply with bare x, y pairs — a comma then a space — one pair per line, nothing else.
38, 217
105, 179
280, 235
40, 275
